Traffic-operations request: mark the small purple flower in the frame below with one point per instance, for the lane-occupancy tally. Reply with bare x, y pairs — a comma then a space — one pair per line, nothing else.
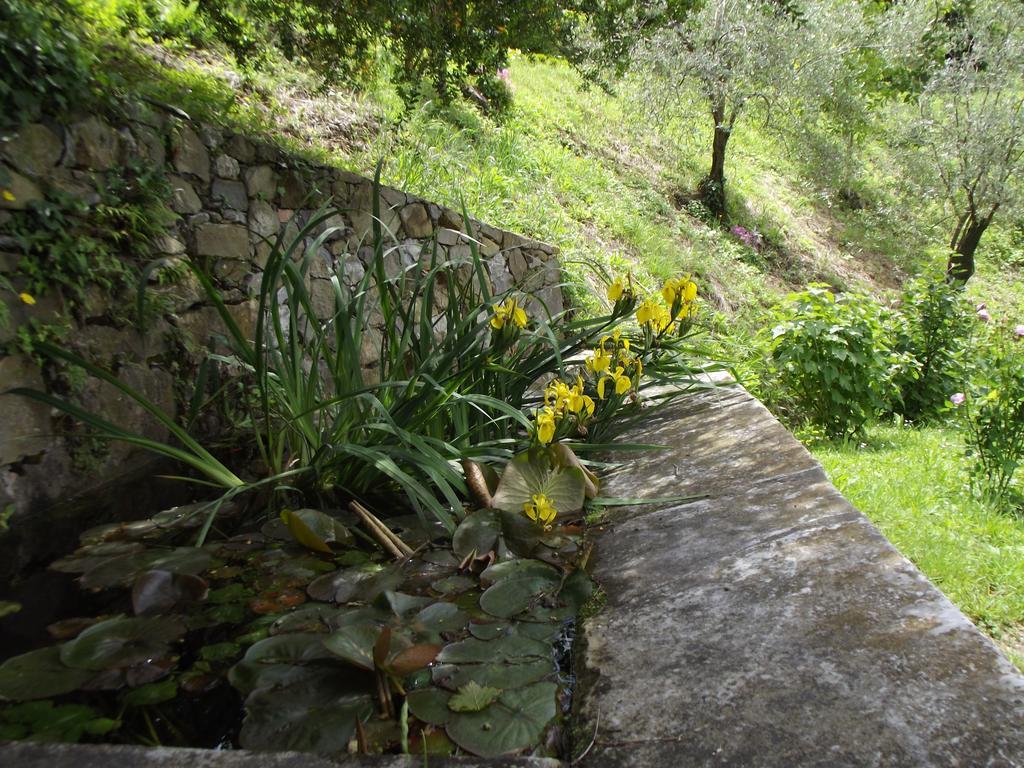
983, 314
1019, 331
957, 398
505, 76
750, 239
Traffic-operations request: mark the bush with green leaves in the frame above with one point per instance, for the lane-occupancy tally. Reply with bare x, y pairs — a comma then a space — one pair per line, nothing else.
46, 65
992, 410
933, 331
834, 357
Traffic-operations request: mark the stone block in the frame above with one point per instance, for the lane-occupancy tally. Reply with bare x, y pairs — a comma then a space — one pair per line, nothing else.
230, 194
488, 247
416, 221
241, 148
34, 149
224, 241
295, 192
151, 144
261, 182
501, 278
226, 167
362, 214
449, 218
183, 197
263, 219
26, 424
95, 144
17, 191
189, 154
516, 264
447, 236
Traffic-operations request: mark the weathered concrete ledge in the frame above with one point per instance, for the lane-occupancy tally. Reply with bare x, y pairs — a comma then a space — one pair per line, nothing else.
770, 623
28, 755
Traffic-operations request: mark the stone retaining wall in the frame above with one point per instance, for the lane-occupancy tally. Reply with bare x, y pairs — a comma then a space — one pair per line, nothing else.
230, 194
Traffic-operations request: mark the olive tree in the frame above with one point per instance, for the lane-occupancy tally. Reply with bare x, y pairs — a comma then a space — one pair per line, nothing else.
736, 54
971, 123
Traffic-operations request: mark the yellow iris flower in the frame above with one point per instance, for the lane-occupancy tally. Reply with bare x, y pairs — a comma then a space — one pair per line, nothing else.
622, 382
616, 289
576, 401
540, 510
546, 426
508, 312
601, 361
647, 312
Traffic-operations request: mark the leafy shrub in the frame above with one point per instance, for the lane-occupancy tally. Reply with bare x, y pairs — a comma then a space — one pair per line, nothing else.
933, 332
992, 409
46, 65
833, 356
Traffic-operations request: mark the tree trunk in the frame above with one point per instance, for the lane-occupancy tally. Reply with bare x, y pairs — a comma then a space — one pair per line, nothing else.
712, 188
960, 266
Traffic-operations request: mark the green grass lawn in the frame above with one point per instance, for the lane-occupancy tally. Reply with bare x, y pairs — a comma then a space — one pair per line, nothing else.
913, 485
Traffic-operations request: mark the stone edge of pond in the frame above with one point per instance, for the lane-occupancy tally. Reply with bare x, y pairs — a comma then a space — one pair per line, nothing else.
770, 623
32, 755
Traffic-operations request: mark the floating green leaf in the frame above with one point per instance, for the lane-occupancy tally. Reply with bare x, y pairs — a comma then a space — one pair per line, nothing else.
153, 693
39, 675
430, 705
315, 530
514, 595
281, 660
506, 648
121, 643
160, 592
472, 697
516, 721
354, 643
518, 567
46, 722
318, 715
477, 534
532, 473
501, 674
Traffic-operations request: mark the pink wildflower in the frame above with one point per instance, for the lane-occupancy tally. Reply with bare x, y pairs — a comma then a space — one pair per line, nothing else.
1019, 331
983, 315
957, 398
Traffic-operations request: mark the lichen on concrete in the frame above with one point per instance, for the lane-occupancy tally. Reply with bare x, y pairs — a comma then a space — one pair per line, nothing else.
770, 623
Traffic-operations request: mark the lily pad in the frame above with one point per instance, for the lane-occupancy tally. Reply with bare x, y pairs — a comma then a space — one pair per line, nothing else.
543, 632
453, 585
124, 568
515, 721
509, 597
532, 473
472, 697
121, 643
507, 648
430, 705
312, 617
46, 722
315, 530
504, 675
317, 716
281, 660
477, 534
39, 675
154, 693
161, 592
354, 643
441, 617
403, 604
518, 567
